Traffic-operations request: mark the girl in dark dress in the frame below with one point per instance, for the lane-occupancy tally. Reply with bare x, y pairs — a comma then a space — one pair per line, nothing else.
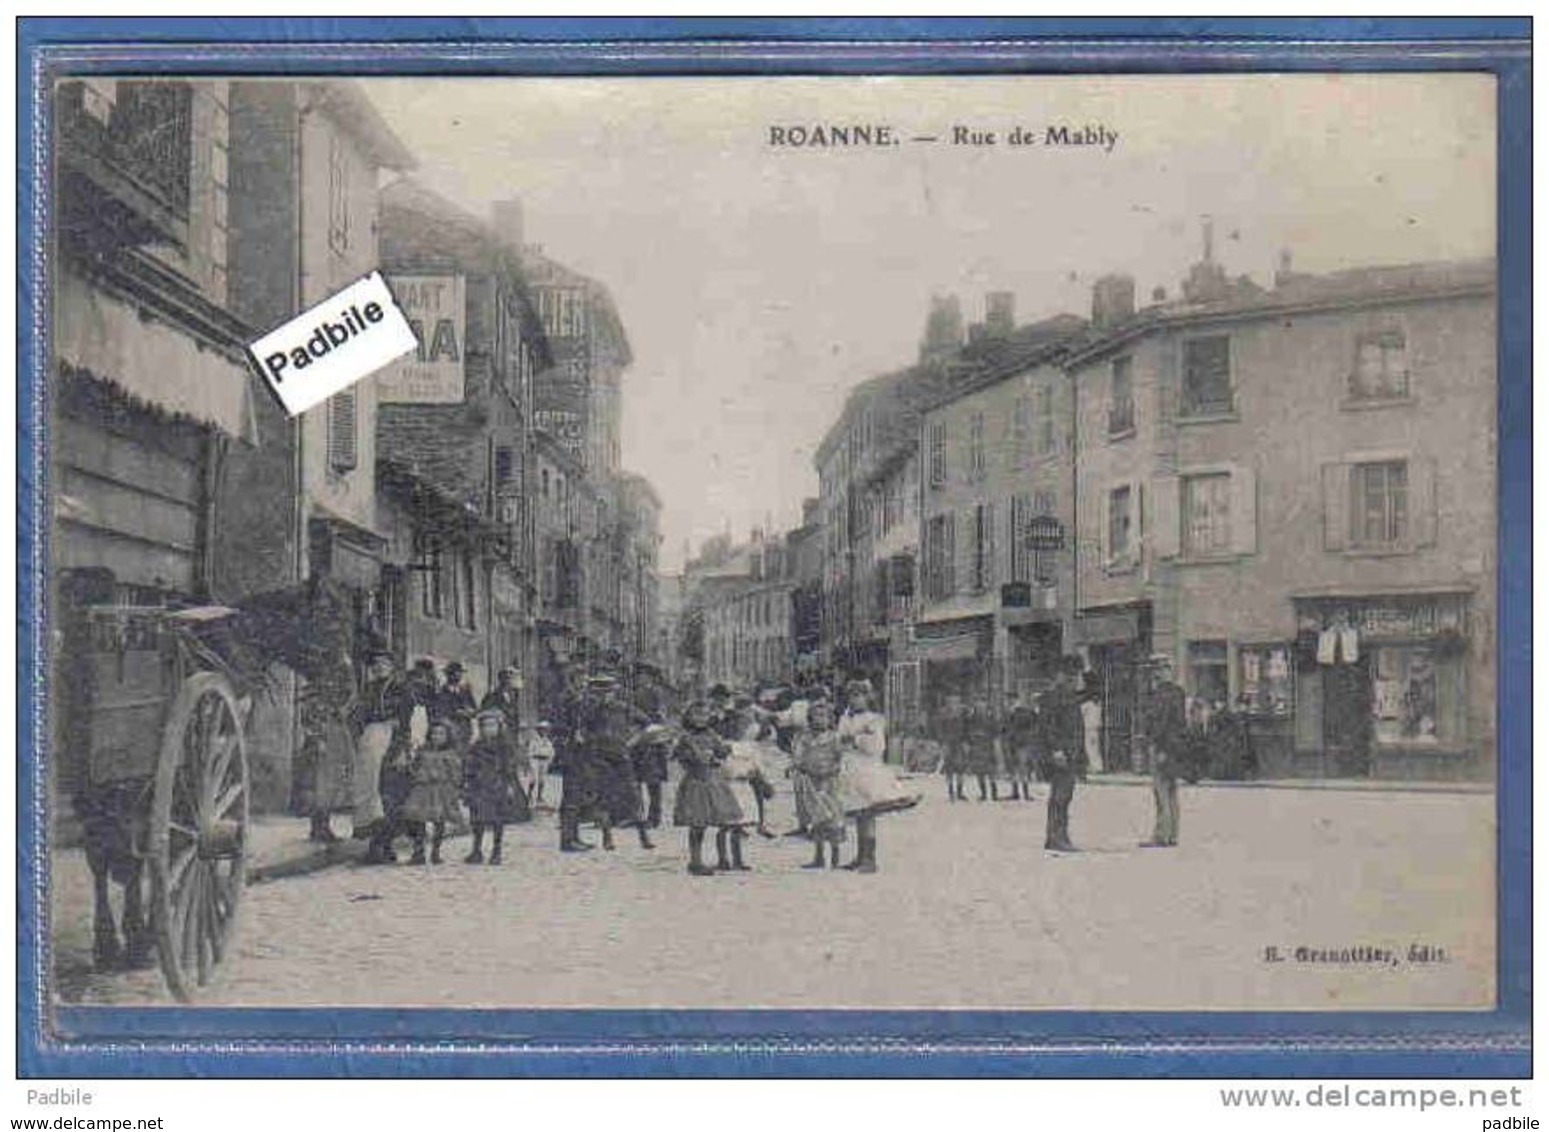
704, 797
490, 787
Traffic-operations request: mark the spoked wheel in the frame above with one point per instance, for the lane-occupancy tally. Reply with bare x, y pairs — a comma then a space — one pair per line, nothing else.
198, 834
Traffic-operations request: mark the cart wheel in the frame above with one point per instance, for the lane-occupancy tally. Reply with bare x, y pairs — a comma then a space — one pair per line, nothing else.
198, 832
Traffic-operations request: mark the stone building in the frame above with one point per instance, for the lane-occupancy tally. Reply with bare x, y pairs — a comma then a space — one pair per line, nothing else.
1290, 491
303, 214
997, 505
454, 435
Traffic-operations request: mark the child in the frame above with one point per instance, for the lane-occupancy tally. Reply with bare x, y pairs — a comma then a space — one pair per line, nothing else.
490, 788
432, 798
815, 766
704, 799
540, 752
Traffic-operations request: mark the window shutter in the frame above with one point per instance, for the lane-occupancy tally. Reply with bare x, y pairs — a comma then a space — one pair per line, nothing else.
1165, 491
1245, 510
1105, 527
1422, 500
342, 454
990, 569
1336, 506
949, 557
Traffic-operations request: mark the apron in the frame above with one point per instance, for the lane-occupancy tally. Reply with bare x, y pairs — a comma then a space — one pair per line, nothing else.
369, 752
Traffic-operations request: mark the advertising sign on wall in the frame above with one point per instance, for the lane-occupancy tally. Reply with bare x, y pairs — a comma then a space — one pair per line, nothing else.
435, 306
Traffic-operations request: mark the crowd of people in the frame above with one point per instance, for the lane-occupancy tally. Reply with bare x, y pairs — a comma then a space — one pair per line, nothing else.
416, 755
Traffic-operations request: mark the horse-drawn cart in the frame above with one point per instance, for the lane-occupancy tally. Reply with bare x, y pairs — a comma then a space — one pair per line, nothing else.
152, 706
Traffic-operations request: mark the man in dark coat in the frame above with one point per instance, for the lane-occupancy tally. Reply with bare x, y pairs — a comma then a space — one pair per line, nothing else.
607, 724
454, 703
1062, 751
578, 798
1167, 729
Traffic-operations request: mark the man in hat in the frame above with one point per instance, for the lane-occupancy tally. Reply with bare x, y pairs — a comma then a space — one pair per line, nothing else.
578, 795
454, 703
1062, 751
1168, 730
506, 697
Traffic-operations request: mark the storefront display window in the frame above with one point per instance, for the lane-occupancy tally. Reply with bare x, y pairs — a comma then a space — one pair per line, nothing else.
1265, 679
1404, 695
1207, 671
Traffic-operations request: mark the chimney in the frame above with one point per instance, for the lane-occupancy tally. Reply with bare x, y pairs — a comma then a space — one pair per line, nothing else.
506, 219
1000, 314
943, 328
1283, 272
1113, 300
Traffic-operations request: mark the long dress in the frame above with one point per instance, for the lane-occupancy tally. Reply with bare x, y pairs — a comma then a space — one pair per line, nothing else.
489, 784
704, 798
867, 785
815, 767
433, 796
383, 714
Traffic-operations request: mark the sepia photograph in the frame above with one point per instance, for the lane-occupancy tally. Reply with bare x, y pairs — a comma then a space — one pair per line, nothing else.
930, 543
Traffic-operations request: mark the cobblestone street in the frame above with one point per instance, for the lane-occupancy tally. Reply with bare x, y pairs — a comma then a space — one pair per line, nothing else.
968, 911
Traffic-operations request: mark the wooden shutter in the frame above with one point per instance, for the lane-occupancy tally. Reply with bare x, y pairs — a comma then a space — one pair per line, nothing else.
990, 570
949, 557
343, 455
1165, 504
1245, 510
1336, 506
1422, 501
1105, 527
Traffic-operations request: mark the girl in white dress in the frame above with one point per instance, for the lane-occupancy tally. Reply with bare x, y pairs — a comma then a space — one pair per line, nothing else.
867, 785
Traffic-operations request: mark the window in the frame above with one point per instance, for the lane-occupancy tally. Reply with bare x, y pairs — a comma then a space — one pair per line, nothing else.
544, 480
976, 447
1208, 671
1207, 376
1379, 504
1405, 701
1045, 420
1120, 523
1021, 420
433, 586
1121, 397
343, 429
1019, 564
940, 552
150, 133
338, 195
938, 454
505, 466
1266, 680
983, 561
462, 572
1381, 367
1207, 514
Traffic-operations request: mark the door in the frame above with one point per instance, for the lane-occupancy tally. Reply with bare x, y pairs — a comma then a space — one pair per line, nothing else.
1116, 675
1347, 718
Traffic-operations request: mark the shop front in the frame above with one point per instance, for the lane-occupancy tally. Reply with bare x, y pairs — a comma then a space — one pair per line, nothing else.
1381, 686
1117, 642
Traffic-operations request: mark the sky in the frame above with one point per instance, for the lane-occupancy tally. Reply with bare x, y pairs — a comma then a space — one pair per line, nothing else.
758, 284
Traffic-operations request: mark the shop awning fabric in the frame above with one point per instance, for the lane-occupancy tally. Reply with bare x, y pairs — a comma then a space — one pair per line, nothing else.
150, 359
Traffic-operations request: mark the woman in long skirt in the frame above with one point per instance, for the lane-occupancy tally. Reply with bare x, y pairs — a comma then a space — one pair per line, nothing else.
867, 785
704, 798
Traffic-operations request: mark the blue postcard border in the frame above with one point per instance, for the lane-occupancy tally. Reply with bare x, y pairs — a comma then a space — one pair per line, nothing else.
85, 1042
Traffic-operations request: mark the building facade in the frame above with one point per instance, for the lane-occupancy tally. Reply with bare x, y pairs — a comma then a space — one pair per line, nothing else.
997, 500
454, 435
1289, 492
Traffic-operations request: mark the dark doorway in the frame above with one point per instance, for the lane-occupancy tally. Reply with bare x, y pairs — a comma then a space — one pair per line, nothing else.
1347, 718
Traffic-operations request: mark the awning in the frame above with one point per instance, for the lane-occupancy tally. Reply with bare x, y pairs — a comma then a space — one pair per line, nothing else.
150, 359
